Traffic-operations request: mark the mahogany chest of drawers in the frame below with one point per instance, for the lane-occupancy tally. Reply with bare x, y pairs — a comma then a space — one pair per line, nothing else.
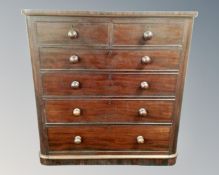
109, 85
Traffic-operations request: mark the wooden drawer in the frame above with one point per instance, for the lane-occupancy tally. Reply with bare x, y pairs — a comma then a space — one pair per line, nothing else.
87, 33
59, 58
168, 33
109, 110
108, 84
109, 137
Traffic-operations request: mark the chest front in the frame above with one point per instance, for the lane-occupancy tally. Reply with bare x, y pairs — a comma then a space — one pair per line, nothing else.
109, 85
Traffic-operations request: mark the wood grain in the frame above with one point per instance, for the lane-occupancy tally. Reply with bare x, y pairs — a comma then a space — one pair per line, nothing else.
110, 46
149, 162
37, 84
176, 14
109, 137
56, 33
93, 84
98, 110
181, 81
58, 58
163, 34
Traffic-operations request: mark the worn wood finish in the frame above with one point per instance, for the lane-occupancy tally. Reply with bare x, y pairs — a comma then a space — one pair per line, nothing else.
181, 81
108, 84
175, 14
110, 46
115, 157
57, 33
110, 137
108, 110
163, 34
58, 58
37, 84
150, 162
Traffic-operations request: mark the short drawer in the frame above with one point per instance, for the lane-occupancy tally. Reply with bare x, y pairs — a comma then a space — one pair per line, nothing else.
85, 33
109, 137
108, 110
151, 59
108, 84
160, 33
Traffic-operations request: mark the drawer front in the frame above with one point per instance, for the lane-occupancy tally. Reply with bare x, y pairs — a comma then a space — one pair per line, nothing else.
85, 110
133, 34
109, 137
87, 33
109, 84
60, 58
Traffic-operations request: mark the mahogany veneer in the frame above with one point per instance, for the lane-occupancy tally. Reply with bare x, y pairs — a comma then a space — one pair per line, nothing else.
109, 85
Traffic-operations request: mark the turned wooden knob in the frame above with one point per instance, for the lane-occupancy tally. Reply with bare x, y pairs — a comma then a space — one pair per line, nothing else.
73, 34
147, 35
142, 112
74, 59
76, 112
77, 139
75, 84
140, 139
144, 85
146, 60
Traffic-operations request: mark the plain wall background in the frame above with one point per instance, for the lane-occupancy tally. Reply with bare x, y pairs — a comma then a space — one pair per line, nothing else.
198, 137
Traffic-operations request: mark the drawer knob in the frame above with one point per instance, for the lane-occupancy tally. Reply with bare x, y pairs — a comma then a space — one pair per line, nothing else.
144, 85
75, 84
73, 34
142, 112
140, 139
147, 35
74, 59
76, 112
77, 139
146, 60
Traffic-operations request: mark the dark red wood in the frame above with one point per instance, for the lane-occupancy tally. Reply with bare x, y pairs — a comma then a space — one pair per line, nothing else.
57, 33
150, 162
58, 58
163, 34
109, 84
109, 137
112, 45
98, 110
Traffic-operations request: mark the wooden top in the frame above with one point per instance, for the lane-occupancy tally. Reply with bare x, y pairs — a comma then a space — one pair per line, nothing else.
31, 12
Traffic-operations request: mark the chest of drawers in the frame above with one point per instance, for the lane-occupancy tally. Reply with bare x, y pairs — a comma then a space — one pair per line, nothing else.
109, 85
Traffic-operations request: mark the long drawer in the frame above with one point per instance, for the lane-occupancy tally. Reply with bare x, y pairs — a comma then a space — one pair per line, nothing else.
68, 58
109, 137
108, 110
108, 84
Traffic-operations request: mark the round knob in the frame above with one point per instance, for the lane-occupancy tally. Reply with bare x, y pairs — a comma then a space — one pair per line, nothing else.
76, 112
147, 35
75, 84
74, 59
72, 34
140, 139
142, 112
77, 139
144, 85
145, 60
